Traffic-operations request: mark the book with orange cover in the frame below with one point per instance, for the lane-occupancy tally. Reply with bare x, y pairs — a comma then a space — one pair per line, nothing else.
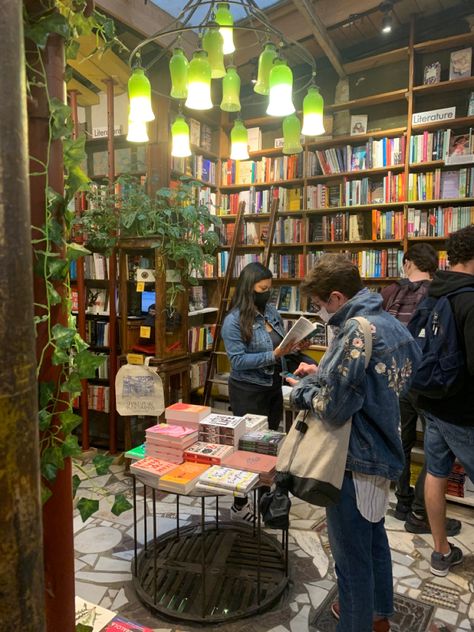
183, 478
182, 414
150, 469
251, 462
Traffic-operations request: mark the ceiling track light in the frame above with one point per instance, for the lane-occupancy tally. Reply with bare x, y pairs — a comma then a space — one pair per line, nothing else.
387, 19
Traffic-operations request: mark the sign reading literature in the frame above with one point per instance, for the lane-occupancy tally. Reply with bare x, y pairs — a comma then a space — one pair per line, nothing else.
431, 116
103, 132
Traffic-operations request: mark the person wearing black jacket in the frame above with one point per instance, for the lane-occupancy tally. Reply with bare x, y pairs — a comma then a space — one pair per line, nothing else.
450, 421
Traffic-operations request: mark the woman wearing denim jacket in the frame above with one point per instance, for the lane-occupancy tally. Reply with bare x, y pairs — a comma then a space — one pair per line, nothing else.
341, 389
252, 332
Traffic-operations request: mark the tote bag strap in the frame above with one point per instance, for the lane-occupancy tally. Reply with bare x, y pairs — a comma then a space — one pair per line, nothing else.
365, 325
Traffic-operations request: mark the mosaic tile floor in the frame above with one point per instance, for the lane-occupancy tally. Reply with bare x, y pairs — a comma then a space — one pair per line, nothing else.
104, 550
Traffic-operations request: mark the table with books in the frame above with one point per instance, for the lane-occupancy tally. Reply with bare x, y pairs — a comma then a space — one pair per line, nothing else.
212, 570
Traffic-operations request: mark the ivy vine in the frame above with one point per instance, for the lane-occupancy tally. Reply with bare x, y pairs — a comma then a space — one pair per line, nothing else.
54, 251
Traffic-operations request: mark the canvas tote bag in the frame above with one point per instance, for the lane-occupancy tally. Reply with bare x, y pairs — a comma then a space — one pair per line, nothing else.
312, 459
139, 390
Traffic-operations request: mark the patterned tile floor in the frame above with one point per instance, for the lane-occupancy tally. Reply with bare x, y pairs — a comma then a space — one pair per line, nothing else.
104, 549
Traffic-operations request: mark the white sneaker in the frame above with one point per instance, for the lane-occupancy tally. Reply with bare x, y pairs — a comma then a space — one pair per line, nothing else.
244, 513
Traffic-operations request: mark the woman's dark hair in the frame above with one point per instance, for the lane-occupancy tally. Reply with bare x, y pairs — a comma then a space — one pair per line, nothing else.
243, 296
423, 256
460, 246
331, 273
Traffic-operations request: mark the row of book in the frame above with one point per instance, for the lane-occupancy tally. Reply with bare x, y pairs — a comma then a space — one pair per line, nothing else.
198, 373
98, 398
438, 222
290, 230
389, 189
380, 263
200, 134
373, 154
251, 233
459, 484
195, 166
97, 333
441, 185
201, 337
374, 225
260, 200
442, 145
265, 170
96, 266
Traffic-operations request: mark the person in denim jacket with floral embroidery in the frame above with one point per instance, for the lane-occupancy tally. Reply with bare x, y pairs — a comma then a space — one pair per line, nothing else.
341, 388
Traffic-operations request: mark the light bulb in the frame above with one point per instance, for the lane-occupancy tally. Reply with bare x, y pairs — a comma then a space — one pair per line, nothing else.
292, 135
281, 90
139, 93
225, 20
180, 138
313, 106
239, 138
199, 82
137, 132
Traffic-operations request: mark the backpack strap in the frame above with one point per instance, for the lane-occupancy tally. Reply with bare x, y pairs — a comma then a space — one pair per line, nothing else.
365, 326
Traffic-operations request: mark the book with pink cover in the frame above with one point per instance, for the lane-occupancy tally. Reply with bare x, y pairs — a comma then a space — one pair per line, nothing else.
186, 412
122, 625
183, 478
166, 454
202, 452
168, 434
151, 467
251, 461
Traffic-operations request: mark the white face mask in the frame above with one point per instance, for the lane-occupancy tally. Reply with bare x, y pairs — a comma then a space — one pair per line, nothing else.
324, 315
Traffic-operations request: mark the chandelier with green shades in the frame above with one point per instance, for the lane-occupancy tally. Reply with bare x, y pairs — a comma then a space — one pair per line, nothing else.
191, 78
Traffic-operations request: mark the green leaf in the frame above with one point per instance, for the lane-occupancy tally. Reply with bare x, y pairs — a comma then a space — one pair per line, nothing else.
60, 114
102, 462
40, 29
81, 627
87, 507
76, 481
120, 505
53, 295
69, 421
57, 269
44, 419
74, 251
86, 363
63, 336
46, 493
46, 392
60, 356
70, 446
51, 461
72, 49
72, 385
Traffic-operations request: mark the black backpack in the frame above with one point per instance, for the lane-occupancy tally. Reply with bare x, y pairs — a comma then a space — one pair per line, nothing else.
442, 368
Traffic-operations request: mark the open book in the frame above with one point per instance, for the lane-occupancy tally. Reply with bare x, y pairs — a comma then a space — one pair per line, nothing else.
303, 328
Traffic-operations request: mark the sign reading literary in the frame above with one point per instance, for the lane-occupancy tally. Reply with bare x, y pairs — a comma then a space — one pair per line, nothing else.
445, 114
102, 132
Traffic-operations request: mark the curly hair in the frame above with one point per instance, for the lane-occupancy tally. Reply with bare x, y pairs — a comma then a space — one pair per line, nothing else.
423, 256
332, 272
460, 246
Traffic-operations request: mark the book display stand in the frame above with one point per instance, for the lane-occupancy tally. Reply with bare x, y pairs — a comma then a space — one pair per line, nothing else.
211, 571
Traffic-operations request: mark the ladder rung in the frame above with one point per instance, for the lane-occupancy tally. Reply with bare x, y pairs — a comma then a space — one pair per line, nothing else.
220, 352
219, 381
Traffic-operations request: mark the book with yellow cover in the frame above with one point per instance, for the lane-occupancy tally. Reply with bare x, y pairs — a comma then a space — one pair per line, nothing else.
182, 478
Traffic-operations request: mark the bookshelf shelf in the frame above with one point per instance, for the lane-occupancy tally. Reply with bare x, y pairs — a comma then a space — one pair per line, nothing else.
426, 238
373, 100
431, 46
189, 177
445, 202
275, 183
356, 140
463, 121
355, 244
356, 208
368, 63
444, 86
422, 166
354, 173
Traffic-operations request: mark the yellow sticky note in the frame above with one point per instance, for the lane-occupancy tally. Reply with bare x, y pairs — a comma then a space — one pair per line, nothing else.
145, 332
140, 286
135, 358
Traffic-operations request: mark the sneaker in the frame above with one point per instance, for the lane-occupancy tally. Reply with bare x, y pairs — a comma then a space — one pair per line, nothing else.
401, 511
441, 564
420, 524
244, 513
381, 625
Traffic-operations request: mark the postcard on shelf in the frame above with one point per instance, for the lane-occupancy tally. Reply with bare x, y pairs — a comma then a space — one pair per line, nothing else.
359, 124
88, 614
460, 63
470, 107
432, 73
359, 158
303, 328
460, 150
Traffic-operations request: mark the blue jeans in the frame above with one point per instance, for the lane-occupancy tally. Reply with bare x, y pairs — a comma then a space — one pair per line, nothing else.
444, 442
363, 563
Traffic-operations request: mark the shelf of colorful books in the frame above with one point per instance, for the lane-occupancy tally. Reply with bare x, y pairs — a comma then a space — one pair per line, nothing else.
278, 183
353, 173
354, 207
358, 139
444, 86
372, 100
354, 243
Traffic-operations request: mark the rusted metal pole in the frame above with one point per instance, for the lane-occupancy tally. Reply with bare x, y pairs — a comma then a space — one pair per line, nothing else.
21, 558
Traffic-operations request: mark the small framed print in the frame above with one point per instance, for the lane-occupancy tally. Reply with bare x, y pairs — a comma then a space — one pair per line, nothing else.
432, 73
359, 124
470, 107
460, 63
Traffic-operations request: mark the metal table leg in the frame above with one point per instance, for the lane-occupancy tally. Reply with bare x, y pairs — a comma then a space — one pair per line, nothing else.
203, 558
135, 551
153, 491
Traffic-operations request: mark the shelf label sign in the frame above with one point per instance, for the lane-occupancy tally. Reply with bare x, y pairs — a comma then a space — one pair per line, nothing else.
432, 116
103, 132
140, 286
145, 332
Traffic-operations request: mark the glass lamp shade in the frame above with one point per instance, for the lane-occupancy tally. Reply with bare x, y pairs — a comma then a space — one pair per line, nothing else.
313, 106
137, 132
199, 82
180, 138
213, 44
179, 74
225, 20
281, 90
139, 93
239, 138
292, 135
231, 91
265, 63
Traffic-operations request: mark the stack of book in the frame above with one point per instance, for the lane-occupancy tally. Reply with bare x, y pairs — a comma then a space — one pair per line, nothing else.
262, 464
188, 415
166, 441
182, 479
224, 429
254, 423
149, 470
219, 479
267, 442
211, 453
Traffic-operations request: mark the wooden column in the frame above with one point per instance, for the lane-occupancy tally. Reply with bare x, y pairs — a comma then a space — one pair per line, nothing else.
57, 512
21, 558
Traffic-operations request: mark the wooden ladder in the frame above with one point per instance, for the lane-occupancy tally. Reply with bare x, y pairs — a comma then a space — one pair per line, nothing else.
225, 295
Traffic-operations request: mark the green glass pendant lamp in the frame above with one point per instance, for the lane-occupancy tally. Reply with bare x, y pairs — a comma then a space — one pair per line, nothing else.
292, 135
239, 138
231, 91
280, 101
137, 132
225, 20
265, 63
213, 44
313, 106
139, 94
199, 82
179, 74
180, 147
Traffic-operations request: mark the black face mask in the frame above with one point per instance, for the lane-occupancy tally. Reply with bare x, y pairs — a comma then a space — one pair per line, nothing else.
261, 299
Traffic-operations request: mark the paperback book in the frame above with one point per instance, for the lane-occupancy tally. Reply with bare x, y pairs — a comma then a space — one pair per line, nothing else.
262, 464
255, 422
183, 478
166, 453
186, 412
123, 625
150, 469
212, 453
171, 435
268, 442
136, 453
301, 330
229, 479
88, 614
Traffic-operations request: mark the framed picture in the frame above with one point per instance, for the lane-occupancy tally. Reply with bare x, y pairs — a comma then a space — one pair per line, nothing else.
432, 73
359, 124
470, 107
460, 63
